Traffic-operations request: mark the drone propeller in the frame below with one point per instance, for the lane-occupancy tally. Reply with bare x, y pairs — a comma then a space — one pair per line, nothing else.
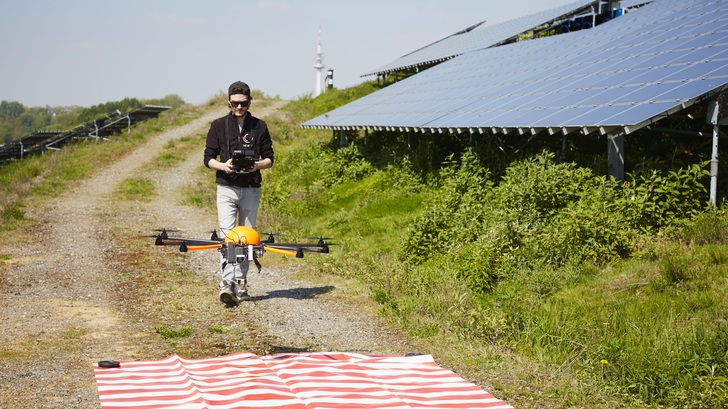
163, 232
163, 238
322, 249
320, 239
271, 238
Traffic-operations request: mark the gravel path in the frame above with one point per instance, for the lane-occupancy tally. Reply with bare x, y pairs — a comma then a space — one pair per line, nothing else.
67, 295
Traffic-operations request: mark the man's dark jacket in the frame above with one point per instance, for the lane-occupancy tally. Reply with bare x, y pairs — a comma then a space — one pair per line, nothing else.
255, 134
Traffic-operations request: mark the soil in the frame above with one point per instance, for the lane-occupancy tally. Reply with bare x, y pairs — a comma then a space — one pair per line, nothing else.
85, 285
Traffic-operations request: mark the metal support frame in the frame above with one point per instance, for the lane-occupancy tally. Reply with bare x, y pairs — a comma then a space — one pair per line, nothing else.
615, 154
712, 118
696, 134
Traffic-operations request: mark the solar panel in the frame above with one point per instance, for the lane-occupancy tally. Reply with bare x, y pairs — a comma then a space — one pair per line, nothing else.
632, 3
479, 37
661, 57
40, 141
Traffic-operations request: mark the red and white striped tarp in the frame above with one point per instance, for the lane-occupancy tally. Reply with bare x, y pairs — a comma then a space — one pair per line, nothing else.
302, 380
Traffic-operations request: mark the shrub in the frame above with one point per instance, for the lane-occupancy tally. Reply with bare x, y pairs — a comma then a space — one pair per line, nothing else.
476, 265
654, 201
590, 228
709, 227
341, 165
455, 213
538, 188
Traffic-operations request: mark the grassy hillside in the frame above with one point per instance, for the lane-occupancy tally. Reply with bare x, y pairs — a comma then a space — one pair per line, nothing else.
46, 176
18, 121
506, 257
525, 271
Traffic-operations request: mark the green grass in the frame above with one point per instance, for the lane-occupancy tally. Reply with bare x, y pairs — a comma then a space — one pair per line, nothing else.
365, 219
73, 334
201, 194
648, 327
139, 189
12, 215
169, 333
177, 150
218, 329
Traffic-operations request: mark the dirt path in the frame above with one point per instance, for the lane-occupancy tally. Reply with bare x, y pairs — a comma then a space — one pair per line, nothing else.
73, 296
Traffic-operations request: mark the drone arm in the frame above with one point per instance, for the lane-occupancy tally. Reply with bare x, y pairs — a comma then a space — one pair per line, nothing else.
204, 247
281, 251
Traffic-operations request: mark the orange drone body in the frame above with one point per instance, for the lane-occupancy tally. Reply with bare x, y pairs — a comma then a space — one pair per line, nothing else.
243, 235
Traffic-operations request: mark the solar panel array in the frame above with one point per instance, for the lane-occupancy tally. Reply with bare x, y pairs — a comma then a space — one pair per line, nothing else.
482, 36
627, 73
113, 123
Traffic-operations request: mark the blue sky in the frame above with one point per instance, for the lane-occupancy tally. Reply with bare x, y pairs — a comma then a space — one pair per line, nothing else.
86, 52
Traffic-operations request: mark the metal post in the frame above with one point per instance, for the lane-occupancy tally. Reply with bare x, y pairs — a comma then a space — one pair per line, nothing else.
616, 155
713, 119
594, 17
714, 168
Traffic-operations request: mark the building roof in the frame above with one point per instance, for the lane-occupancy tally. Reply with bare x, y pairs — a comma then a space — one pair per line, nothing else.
627, 73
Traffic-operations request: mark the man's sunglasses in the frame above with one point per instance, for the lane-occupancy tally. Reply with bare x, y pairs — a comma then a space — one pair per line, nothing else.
239, 103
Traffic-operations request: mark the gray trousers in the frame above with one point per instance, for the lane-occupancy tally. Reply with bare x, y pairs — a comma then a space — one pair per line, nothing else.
236, 206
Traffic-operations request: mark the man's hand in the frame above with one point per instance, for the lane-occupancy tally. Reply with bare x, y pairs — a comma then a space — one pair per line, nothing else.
226, 167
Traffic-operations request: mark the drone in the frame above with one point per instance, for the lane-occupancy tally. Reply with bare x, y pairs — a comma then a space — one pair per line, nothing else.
243, 243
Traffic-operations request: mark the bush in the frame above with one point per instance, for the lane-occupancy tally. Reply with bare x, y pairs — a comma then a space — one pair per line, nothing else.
590, 228
655, 200
455, 213
709, 227
538, 189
